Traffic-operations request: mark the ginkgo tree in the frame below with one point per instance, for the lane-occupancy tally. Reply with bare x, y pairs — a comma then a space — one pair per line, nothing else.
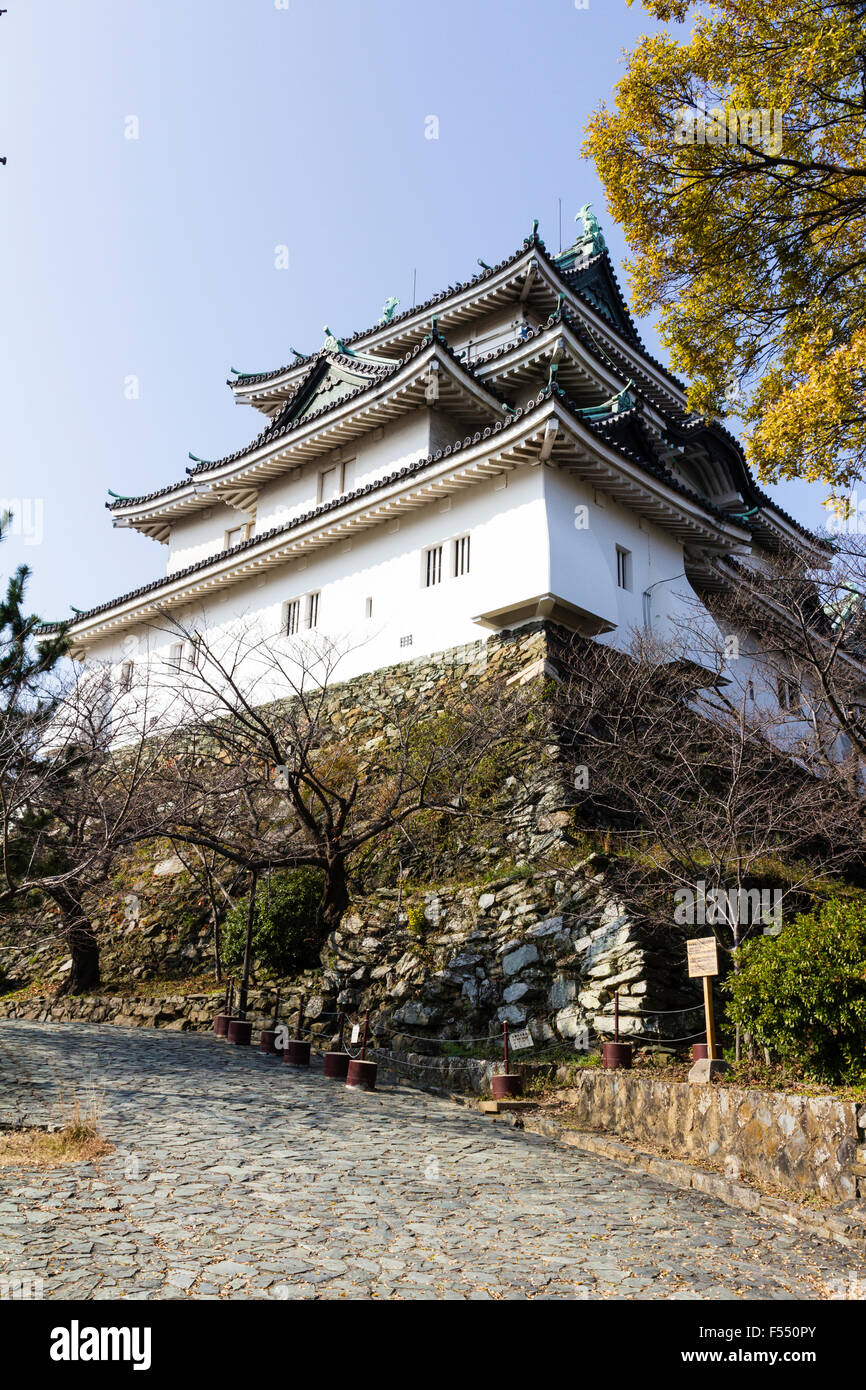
748, 236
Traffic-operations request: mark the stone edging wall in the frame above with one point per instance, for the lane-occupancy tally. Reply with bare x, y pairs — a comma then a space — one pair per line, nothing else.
804, 1143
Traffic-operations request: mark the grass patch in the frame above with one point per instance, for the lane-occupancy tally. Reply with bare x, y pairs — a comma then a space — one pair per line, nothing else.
77, 1139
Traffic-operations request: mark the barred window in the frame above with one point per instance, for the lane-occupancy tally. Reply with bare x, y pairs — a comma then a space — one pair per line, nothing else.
292, 617
433, 568
623, 568
461, 556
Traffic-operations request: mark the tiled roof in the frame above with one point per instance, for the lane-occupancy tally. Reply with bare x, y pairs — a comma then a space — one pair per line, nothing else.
407, 314
276, 430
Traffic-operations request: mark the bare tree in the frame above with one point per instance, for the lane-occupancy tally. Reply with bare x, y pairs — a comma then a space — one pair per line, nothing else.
265, 774
74, 792
699, 782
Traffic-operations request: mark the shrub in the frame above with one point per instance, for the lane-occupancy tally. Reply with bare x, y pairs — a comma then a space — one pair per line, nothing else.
285, 937
415, 920
802, 994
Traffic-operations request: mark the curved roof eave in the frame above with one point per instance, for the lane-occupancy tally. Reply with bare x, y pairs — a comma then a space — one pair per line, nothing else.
527, 421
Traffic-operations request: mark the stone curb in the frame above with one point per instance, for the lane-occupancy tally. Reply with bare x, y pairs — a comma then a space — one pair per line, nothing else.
828, 1226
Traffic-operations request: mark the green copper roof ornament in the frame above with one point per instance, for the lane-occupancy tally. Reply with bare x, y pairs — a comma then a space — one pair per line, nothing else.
552, 374
389, 309
591, 230
534, 233
118, 497
332, 343
623, 400
484, 265
744, 516
300, 355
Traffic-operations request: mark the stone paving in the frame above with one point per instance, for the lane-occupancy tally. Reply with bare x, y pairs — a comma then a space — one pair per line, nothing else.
238, 1177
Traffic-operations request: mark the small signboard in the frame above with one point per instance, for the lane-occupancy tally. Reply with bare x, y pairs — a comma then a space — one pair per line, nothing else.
356, 1032
520, 1040
703, 956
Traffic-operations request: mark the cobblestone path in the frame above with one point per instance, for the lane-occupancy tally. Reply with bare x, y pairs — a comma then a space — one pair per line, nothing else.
238, 1177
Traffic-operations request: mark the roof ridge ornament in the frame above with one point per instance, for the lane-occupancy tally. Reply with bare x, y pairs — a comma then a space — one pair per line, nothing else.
389, 308
335, 344
208, 463
591, 230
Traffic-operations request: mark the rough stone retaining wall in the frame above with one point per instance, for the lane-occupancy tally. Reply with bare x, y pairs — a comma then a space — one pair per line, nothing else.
546, 952
804, 1143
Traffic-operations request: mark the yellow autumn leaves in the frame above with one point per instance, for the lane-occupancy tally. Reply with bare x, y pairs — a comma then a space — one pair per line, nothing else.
750, 249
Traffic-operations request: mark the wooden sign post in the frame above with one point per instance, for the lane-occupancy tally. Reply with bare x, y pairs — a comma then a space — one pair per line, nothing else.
704, 964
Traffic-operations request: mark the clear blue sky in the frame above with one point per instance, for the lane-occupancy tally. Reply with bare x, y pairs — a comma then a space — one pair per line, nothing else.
259, 126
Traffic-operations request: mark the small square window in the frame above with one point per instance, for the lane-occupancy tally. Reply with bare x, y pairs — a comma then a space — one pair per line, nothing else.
175, 655
433, 566
623, 568
406, 641
236, 535
461, 556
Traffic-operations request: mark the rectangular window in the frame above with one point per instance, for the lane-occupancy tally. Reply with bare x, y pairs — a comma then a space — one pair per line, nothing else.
330, 482
406, 641
236, 535
647, 610
175, 655
126, 671
312, 614
789, 695
368, 608
623, 568
292, 617
193, 656
433, 566
461, 556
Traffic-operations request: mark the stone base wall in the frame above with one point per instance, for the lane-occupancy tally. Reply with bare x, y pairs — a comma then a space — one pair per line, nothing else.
546, 952
803, 1143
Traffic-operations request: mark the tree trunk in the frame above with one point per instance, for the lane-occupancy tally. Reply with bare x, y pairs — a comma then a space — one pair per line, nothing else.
81, 939
215, 923
335, 899
248, 945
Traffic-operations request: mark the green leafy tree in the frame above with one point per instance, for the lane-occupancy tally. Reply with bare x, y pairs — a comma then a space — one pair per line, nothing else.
26, 707
285, 936
747, 232
802, 994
